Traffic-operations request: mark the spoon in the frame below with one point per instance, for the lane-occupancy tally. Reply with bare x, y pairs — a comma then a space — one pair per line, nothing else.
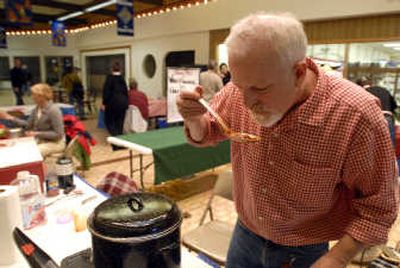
235, 136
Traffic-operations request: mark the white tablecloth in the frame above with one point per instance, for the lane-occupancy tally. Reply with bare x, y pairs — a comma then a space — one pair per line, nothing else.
60, 240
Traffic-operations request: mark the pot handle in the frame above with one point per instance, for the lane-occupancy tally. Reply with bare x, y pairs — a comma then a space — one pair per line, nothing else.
135, 204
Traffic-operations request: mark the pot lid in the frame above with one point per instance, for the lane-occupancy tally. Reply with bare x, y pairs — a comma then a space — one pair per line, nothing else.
135, 215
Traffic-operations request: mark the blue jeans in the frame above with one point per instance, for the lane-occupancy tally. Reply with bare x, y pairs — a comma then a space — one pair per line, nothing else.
248, 250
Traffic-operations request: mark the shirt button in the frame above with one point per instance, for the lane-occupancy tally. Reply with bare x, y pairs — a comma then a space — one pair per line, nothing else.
264, 190
275, 135
271, 163
260, 218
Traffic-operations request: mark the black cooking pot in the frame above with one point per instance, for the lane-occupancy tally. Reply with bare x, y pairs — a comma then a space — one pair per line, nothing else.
140, 230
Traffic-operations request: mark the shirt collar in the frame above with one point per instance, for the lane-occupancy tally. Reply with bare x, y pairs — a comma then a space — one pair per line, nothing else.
47, 107
312, 111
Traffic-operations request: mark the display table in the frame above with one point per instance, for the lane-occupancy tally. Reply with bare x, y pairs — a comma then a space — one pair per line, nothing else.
60, 240
173, 156
19, 154
27, 109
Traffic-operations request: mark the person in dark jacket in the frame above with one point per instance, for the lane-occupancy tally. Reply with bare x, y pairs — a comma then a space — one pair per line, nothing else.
115, 101
18, 81
388, 103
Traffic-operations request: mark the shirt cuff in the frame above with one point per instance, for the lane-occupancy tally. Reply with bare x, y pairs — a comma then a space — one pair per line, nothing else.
367, 232
204, 142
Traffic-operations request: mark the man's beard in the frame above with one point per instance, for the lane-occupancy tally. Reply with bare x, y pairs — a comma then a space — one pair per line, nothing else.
265, 118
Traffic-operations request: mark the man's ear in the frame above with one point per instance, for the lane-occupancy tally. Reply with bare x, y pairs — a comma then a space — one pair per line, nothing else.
299, 71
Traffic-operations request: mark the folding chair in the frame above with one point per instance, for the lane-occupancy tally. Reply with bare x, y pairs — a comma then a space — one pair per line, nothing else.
212, 238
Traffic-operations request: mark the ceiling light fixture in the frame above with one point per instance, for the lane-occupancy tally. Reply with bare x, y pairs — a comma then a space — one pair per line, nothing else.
70, 16
87, 10
100, 6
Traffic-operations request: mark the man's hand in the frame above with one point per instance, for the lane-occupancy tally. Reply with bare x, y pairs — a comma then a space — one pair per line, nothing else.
327, 261
5, 116
192, 112
188, 105
341, 254
31, 133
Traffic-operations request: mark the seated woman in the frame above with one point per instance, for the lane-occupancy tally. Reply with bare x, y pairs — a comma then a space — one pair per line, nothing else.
45, 122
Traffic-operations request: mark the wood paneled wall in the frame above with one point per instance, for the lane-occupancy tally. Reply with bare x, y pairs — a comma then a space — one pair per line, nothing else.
345, 30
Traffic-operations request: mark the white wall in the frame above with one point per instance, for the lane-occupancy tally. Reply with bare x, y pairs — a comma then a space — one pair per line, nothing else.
99, 40
35, 45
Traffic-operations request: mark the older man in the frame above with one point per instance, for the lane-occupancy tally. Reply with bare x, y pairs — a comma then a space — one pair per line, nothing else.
324, 168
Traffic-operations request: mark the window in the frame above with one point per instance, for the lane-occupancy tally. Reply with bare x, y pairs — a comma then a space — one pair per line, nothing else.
4, 69
377, 61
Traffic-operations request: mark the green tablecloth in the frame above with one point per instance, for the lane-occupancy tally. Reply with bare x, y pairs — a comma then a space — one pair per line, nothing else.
174, 157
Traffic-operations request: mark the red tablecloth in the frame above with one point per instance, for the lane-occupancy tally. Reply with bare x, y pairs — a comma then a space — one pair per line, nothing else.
157, 107
17, 155
10, 173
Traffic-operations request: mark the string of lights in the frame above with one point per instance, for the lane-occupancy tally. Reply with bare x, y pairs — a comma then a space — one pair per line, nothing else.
149, 13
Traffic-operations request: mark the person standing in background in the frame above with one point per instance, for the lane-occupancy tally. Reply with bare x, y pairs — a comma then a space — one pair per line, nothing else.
138, 98
27, 78
225, 74
17, 81
115, 101
210, 81
74, 88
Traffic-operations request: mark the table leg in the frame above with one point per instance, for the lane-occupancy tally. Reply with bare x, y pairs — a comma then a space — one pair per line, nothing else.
141, 171
131, 163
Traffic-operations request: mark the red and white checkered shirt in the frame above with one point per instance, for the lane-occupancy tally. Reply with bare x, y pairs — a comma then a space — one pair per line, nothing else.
326, 169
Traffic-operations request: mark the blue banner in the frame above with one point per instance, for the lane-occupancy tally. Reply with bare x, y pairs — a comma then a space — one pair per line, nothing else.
19, 12
58, 38
3, 38
125, 16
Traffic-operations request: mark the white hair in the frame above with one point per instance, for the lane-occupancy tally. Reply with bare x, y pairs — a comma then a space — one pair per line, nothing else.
282, 34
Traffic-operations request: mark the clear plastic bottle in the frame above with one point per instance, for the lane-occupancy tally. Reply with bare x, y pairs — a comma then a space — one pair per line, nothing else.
32, 200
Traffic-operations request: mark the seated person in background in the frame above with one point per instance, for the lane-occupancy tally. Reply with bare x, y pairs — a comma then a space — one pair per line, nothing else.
45, 122
138, 98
